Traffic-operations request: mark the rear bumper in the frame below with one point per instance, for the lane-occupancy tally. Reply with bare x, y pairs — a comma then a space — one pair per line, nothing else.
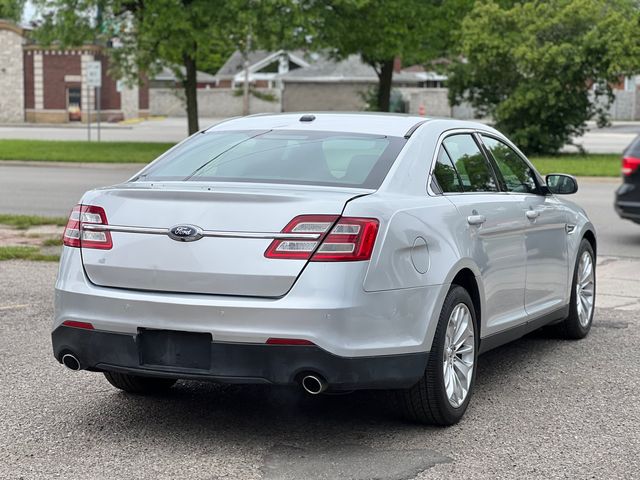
243, 363
627, 202
326, 306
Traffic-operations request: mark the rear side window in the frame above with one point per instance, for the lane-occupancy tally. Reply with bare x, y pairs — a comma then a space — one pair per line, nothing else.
446, 174
633, 150
518, 176
470, 163
289, 157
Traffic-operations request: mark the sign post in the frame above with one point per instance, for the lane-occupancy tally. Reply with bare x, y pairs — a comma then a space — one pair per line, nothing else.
93, 78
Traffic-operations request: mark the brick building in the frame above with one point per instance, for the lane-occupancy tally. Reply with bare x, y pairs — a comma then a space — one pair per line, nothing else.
46, 84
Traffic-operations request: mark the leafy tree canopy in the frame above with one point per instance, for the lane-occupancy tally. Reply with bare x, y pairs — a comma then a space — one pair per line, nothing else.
11, 10
185, 35
535, 66
380, 30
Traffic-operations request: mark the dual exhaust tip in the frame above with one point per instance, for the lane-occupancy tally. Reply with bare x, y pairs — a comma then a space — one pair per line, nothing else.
314, 384
71, 361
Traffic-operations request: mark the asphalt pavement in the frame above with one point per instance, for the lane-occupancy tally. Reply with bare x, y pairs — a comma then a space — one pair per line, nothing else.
542, 408
53, 189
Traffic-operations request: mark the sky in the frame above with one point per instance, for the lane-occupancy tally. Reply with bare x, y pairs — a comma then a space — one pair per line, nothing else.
29, 12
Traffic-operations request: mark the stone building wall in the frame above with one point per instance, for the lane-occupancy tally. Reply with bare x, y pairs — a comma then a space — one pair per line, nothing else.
11, 75
323, 96
212, 103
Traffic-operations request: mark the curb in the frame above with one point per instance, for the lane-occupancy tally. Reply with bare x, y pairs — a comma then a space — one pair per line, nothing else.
97, 165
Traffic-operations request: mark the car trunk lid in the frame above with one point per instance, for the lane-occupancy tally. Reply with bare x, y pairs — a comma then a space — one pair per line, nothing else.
238, 223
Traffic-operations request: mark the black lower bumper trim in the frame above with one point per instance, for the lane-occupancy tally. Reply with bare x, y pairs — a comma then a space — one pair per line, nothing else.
243, 363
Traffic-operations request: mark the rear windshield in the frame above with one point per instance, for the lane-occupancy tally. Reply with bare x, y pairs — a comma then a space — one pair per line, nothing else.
290, 157
633, 150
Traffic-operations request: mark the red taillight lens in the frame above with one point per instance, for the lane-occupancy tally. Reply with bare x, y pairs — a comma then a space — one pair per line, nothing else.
75, 236
630, 165
348, 239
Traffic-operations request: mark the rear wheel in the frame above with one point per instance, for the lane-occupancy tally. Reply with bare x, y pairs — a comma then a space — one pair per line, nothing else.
442, 395
137, 384
583, 295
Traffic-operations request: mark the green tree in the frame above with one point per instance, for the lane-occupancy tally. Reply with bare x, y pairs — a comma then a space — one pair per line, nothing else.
381, 30
542, 69
11, 10
179, 34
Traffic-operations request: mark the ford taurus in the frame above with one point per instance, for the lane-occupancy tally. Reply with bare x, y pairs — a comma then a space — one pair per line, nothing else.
332, 251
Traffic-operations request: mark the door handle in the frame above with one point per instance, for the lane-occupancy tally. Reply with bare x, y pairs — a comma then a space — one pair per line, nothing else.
532, 214
476, 219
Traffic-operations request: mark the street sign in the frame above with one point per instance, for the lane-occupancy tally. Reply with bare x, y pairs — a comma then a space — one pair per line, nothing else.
93, 74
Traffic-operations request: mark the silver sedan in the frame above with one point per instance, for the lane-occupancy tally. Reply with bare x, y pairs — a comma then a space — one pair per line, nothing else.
333, 251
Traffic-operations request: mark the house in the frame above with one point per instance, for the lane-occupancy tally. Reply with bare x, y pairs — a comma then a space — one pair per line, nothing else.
47, 84
344, 85
167, 78
264, 68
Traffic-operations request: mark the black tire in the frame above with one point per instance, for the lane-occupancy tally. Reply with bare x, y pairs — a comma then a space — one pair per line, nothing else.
571, 328
427, 401
139, 385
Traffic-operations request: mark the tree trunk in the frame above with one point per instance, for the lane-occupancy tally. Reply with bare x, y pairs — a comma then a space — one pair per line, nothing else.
385, 76
191, 93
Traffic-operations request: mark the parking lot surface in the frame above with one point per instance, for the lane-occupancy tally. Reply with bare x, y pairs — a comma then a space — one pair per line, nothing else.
542, 408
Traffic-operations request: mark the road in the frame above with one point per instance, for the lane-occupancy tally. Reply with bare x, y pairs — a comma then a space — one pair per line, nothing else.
162, 130
33, 188
611, 139
43, 189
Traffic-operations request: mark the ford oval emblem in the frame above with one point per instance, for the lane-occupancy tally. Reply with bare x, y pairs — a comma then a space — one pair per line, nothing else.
185, 233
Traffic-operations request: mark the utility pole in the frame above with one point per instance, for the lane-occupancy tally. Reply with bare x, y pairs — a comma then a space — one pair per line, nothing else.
88, 113
245, 91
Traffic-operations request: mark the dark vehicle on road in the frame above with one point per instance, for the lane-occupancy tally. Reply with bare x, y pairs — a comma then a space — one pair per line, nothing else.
628, 194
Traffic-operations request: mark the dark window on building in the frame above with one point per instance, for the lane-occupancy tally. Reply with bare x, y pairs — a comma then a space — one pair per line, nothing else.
74, 104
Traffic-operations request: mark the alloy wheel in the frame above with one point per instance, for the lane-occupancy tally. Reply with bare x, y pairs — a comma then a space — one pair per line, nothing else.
585, 288
458, 355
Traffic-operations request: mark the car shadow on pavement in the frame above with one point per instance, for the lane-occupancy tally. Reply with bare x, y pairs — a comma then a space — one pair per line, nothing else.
258, 411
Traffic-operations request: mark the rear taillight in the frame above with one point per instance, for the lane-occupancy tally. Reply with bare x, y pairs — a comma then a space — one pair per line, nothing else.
630, 165
75, 236
341, 239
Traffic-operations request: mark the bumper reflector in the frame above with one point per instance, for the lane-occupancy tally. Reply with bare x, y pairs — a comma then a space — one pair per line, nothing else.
75, 324
288, 341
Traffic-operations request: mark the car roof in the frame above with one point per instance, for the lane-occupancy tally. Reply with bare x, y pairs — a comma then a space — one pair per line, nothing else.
395, 125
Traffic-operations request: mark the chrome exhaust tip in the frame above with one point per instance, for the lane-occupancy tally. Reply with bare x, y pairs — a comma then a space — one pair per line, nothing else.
71, 362
314, 385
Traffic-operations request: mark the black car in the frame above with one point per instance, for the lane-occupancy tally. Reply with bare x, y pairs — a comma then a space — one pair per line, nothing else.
628, 194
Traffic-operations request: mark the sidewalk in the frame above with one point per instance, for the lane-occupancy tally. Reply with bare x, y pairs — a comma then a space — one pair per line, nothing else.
171, 129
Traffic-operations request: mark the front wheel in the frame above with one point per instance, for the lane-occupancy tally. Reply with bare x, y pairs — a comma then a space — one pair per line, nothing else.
583, 295
442, 395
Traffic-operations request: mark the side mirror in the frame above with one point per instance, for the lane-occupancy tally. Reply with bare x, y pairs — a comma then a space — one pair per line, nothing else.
561, 184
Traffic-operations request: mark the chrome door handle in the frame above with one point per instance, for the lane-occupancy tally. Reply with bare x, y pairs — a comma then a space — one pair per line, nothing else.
476, 219
532, 214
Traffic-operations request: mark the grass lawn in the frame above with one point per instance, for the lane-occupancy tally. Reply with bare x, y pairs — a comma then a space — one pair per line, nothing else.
22, 222
589, 165
26, 253
92, 152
